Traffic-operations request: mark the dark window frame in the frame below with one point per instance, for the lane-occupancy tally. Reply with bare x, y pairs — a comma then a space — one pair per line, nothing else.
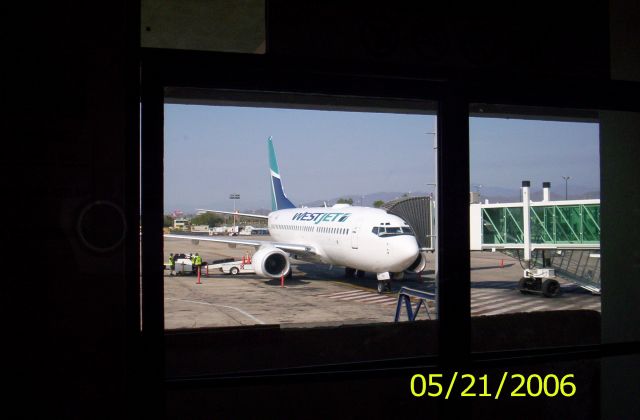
257, 79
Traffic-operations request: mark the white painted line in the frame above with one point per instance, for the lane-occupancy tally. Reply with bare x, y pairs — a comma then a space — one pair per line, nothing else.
221, 306
482, 293
518, 308
342, 296
492, 297
351, 292
360, 296
377, 298
501, 301
540, 308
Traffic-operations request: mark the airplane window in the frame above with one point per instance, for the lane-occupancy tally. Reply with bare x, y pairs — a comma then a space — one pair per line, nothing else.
392, 231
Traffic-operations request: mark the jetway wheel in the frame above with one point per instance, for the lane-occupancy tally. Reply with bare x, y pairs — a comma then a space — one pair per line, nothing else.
550, 288
524, 284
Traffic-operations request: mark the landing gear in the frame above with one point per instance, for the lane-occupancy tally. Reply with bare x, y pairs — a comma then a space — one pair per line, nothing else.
349, 272
289, 275
360, 274
384, 285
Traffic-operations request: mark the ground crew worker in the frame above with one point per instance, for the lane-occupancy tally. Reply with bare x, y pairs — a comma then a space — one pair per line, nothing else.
198, 260
192, 258
172, 262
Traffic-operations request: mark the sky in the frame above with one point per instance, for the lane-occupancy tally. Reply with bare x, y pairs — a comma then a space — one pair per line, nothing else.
214, 151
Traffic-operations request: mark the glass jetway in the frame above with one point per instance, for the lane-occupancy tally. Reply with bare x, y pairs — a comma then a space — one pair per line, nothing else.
562, 224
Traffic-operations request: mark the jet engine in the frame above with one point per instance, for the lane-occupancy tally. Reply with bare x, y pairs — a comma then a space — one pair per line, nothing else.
419, 264
270, 262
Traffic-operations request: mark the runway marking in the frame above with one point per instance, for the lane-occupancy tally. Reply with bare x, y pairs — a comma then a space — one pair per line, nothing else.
364, 296
354, 297
345, 294
522, 304
377, 299
221, 306
483, 301
340, 294
483, 298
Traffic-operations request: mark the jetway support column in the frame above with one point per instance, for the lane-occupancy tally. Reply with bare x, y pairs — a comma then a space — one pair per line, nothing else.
526, 220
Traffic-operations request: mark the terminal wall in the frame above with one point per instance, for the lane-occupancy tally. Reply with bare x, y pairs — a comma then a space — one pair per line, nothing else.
72, 110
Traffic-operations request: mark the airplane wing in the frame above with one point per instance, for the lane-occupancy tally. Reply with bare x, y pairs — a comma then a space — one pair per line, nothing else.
257, 216
294, 248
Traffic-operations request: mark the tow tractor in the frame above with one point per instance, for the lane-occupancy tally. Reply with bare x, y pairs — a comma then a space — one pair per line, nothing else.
229, 266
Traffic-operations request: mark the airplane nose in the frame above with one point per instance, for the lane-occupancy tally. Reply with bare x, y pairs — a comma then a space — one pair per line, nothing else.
407, 250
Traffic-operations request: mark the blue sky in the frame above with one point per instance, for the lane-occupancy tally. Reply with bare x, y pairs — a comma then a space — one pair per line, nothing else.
211, 152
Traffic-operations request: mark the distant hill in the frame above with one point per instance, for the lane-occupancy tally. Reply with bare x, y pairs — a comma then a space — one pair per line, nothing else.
493, 194
511, 195
364, 200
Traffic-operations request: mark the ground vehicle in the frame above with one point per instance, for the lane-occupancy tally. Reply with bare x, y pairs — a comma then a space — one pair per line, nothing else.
232, 267
183, 264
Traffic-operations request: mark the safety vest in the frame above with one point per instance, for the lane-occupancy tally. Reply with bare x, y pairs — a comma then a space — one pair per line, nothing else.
171, 259
198, 260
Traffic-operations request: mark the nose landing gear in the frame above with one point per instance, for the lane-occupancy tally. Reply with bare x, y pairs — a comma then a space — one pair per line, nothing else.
383, 286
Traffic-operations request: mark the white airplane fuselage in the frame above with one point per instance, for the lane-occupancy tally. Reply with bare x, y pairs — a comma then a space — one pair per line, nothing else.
345, 236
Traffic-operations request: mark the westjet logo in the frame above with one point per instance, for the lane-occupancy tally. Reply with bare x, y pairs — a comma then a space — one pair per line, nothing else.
321, 217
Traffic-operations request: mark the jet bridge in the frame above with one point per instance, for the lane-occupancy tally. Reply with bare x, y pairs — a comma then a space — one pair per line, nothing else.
573, 224
562, 237
417, 212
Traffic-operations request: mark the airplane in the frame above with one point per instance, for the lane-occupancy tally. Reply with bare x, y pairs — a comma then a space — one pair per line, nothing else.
361, 239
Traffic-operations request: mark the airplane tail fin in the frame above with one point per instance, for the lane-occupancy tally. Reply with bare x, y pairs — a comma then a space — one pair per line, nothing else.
279, 200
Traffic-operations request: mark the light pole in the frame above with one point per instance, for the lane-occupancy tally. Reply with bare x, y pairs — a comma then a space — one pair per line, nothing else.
234, 197
566, 186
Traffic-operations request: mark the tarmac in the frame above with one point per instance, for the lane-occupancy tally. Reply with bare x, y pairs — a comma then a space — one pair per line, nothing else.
319, 295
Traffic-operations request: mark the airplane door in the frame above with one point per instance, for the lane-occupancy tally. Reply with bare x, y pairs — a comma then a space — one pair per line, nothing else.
354, 237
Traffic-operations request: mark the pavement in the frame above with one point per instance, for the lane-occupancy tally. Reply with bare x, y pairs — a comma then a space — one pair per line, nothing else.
319, 295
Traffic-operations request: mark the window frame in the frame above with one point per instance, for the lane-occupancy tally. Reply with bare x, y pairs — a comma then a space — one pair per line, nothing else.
257, 79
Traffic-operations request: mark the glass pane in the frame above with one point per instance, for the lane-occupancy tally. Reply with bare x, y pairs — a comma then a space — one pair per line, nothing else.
233, 173
535, 222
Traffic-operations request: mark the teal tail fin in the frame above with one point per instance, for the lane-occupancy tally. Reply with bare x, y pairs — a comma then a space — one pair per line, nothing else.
279, 200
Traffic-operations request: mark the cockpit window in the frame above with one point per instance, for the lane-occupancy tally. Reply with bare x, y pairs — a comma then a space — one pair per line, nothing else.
392, 230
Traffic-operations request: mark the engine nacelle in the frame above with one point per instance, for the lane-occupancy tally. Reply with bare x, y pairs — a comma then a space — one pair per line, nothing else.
419, 264
270, 262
